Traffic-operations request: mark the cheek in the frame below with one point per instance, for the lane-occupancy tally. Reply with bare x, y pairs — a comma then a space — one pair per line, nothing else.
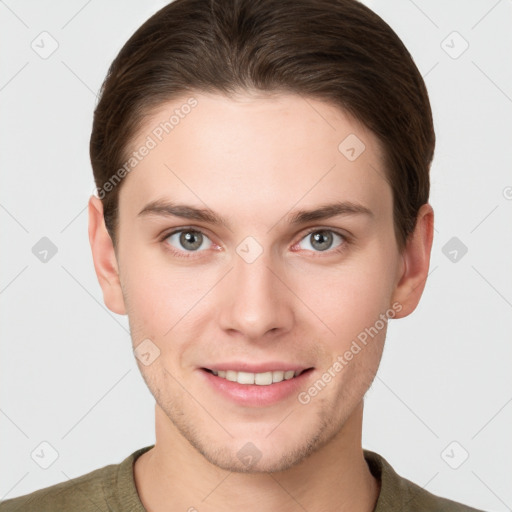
349, 298
146, 286
161, 296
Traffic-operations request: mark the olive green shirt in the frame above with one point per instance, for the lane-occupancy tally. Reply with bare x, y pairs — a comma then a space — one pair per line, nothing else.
112, 489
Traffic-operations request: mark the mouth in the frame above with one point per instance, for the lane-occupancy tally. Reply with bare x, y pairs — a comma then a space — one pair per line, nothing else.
260, 379
268, 384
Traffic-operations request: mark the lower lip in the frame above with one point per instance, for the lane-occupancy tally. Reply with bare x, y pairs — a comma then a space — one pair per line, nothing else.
253, 395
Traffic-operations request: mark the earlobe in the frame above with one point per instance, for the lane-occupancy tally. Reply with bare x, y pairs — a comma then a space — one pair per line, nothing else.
415, 263
104, 257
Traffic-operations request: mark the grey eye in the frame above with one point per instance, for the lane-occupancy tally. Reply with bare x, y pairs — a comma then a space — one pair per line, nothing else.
321, 240
188, 239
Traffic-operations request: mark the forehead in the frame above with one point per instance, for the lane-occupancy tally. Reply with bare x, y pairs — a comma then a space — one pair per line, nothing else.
252, 151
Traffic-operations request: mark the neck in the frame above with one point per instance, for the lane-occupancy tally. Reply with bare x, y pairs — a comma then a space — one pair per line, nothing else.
174, 475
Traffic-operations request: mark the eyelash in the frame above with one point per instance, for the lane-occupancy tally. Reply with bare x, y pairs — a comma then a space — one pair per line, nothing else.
180, 254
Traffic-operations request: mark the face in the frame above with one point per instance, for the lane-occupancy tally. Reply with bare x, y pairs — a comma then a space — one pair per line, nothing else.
223, 309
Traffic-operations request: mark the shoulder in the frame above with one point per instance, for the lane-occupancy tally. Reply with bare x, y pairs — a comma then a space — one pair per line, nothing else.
87, 493
81, 493
398, 493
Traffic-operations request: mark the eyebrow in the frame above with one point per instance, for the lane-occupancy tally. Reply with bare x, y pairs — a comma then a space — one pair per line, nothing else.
164, 208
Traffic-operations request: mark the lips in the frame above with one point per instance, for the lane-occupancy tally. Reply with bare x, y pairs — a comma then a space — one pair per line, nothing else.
250, 385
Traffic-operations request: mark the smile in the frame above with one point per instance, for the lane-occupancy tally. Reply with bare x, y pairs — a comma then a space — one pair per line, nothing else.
260, 379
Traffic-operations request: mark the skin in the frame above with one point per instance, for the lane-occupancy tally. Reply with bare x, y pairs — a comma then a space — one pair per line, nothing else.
254, 159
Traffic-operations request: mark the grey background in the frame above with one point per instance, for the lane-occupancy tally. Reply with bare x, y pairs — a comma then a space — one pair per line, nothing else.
68, 376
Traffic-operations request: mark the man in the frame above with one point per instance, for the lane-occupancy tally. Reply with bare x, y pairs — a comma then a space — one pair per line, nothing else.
262, 213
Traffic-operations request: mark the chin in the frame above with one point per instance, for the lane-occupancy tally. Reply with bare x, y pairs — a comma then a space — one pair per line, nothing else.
251, 460
264, 452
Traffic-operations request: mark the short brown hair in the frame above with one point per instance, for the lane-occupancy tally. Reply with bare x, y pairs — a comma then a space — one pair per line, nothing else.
338, 51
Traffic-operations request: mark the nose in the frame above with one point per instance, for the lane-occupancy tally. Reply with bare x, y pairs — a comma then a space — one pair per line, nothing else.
255, 300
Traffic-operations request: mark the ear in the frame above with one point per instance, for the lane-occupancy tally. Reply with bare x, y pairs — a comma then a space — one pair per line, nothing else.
415, 263
105, 260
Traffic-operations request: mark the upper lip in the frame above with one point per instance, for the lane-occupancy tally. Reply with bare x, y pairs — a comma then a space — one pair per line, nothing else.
257, 368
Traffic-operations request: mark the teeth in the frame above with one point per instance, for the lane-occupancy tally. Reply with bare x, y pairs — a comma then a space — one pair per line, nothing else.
245, 378
261, 379
277, 376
